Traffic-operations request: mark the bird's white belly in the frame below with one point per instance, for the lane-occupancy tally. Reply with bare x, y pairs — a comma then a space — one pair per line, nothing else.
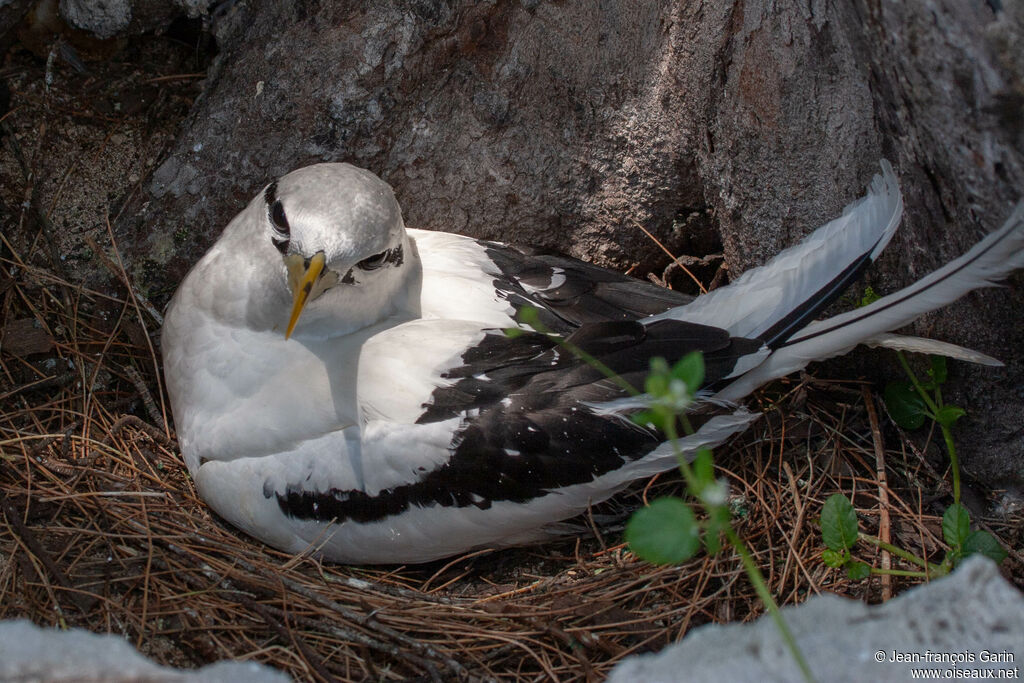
255, 397
239, 492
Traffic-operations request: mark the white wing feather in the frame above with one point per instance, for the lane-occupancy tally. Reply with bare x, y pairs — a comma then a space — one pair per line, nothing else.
990, 260
899, 342
760, 297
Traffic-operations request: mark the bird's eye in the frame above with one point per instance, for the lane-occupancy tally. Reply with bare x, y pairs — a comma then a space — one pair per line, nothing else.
275, 211
374, 262
278, 218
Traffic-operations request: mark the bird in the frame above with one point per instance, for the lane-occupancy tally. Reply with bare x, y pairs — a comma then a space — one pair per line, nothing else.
345, 386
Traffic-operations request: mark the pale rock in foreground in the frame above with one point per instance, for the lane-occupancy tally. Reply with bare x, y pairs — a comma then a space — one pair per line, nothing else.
31, 653
971, 612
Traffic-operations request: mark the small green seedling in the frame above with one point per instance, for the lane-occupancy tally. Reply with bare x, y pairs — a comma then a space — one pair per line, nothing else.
668, 531
910, 405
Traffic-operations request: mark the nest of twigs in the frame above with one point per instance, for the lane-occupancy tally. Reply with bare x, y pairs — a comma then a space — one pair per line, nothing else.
101, 527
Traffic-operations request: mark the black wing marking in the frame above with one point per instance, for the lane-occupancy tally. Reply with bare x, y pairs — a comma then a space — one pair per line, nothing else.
527, 429
779, 333
569, 292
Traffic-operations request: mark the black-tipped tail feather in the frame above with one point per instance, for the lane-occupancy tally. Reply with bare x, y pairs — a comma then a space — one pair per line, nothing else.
778, 299
989, 261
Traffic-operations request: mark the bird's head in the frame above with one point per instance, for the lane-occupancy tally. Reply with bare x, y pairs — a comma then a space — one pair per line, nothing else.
339, 227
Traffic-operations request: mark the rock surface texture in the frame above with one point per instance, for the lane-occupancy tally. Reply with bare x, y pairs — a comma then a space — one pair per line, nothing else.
733, 126
973, 619
109, 18
31, 653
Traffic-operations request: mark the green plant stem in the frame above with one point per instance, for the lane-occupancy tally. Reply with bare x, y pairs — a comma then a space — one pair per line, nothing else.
672, 434
917, 384
899, 552
584, 356
901, 572
753, 572
954, 461
596, 364
947, 434
761, 587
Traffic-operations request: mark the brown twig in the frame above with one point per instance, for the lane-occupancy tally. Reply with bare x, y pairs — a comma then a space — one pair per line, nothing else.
675, 261
144, 393
884, 526
79, 598
136, 422
289, 636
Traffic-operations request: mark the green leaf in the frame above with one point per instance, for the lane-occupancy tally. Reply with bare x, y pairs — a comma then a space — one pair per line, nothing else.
947, 415
956, 524
513, 332
838, 523
938, 373
656, 384
905, 405
704, 467
832, 558
947, 564
713, 534
870, 297
719, 517
664, 532
644, 418
983, 543
690, 369
659, 366
858, 571
528, 315
712, 543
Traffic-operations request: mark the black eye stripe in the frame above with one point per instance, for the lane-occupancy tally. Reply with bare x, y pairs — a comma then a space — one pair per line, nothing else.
388, 257
278, 220
374, 262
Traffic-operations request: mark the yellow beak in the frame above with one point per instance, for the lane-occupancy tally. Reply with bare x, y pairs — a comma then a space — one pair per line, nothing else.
302, 275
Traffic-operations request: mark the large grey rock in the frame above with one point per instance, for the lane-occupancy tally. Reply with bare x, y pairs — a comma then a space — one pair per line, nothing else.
109, 18
104, 18
969, 617
568, 125
31, 653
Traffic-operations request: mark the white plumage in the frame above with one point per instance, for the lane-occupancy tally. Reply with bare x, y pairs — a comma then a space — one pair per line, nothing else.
342, 384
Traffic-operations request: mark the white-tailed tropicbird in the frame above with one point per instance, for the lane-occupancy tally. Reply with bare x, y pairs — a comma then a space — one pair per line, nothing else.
394, 421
